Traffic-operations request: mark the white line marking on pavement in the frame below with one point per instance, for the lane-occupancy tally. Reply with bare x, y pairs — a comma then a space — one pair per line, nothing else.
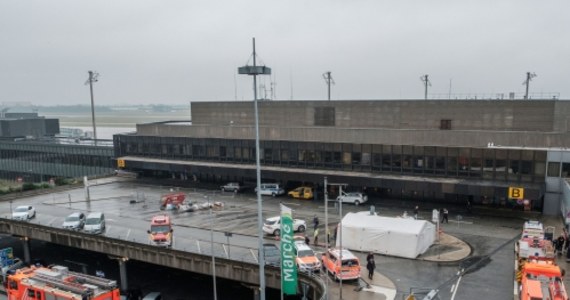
390, 294
456, 288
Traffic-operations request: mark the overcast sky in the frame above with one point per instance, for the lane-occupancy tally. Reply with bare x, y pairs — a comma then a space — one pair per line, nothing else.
173, 52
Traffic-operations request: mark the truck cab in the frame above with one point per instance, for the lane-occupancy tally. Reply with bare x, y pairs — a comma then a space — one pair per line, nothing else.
160, 232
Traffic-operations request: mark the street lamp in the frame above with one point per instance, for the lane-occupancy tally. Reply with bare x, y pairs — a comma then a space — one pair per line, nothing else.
340, 237
11, 212
254, 71
212, 246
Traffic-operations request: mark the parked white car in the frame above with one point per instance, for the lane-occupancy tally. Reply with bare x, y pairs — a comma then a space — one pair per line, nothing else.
354, 198
24, 212
270, 189
273, 225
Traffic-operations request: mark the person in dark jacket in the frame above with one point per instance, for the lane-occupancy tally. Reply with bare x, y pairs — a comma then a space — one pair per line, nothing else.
371, 265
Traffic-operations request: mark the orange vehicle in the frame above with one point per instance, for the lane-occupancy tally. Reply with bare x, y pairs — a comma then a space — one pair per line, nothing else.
57, 282
160, 233
306, 259
348, 269
542, 279
172, 199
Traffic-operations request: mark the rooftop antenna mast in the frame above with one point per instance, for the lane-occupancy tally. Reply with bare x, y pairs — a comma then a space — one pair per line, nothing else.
427, 83
529, 77
328, 79
93, 77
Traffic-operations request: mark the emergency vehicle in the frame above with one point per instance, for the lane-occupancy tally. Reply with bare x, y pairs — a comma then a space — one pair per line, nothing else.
347, 268
305, 258
171, 201
533, 242
541, 279
57, 282
160, 233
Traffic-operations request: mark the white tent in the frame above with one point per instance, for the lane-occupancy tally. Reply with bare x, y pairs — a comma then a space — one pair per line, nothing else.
404, 237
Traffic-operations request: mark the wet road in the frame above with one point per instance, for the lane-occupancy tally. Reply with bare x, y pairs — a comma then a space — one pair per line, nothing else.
490, 279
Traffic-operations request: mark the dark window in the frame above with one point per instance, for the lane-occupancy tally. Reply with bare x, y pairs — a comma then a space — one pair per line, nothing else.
445, 125
324, 116
553, 169
565, 170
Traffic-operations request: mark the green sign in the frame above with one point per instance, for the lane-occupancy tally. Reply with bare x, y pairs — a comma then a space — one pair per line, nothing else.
288, 266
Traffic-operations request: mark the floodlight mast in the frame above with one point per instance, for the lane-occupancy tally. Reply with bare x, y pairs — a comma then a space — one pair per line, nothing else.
329, 80
427, 83
529, 77
258, 70
93, 77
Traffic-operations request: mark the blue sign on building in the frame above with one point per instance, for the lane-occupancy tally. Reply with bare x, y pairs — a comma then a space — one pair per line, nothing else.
6, 257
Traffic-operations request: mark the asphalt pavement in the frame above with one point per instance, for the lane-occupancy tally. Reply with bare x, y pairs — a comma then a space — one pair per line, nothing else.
472, 259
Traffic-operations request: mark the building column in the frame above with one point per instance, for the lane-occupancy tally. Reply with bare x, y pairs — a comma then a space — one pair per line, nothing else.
26, 247
123, 273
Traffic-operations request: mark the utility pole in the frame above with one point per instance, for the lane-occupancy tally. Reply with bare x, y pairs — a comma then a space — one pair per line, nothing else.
529, 77
426, 82
328, 80
93, 77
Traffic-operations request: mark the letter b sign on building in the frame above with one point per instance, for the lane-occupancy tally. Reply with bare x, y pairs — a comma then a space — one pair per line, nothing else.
516, 193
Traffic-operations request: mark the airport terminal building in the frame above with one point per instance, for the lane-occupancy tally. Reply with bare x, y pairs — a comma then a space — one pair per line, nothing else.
422, 150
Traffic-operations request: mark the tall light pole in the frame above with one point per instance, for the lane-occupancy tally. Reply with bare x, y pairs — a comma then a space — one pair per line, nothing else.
329, 80
326, 192
93, 77
258, 70
427, 83
212, 247
340, 237
529, 77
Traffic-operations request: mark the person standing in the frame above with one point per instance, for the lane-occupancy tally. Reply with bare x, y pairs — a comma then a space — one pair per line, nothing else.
369, 256
316, 236
335, 232
315, 222
371, 265
416, 211
445, 216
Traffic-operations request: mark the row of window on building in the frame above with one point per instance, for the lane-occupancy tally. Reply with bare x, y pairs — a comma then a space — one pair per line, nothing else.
486, 163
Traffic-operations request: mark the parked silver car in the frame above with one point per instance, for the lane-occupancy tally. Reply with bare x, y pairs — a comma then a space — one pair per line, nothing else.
354, 198
75, 221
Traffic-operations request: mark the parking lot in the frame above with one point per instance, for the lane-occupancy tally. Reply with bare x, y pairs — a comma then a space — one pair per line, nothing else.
129, 204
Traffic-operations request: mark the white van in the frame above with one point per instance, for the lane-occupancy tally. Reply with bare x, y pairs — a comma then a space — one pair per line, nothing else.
94, 223
271, 189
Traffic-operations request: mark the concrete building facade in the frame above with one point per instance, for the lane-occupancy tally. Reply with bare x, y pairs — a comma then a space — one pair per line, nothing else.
437, 150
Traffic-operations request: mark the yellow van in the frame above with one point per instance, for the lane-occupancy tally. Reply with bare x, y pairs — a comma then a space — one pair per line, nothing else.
303, 192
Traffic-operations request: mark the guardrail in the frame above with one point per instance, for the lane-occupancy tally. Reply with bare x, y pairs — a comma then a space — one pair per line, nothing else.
239, 264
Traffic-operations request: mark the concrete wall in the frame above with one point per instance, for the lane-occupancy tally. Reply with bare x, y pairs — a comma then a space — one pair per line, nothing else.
474, 123
518, 115
565, 202
420, 137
